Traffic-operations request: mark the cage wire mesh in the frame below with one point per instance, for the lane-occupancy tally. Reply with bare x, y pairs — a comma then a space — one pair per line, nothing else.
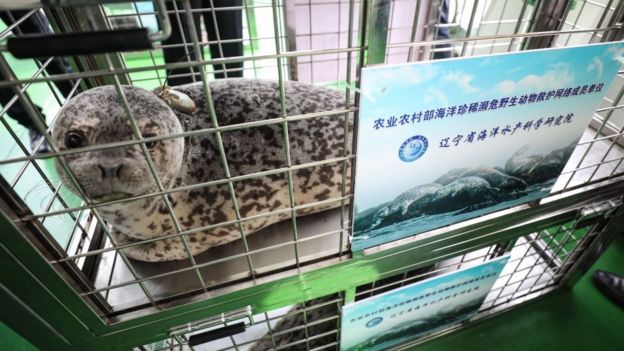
313, 325
114, 277
538, 261
317, 42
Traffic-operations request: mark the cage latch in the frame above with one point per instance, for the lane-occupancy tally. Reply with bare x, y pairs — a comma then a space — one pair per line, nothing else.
215, 327
211, 335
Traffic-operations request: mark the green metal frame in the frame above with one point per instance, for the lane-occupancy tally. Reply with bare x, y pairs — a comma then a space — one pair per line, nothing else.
36, 295
378, 38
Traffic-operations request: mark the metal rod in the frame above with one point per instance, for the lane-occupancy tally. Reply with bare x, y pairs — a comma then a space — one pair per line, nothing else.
188, 188
498, 25
203, 264
41, 128
198, 53
415, 24
15, 24
345, 144
151, 53
100, 73
215, 123
198, 132
286, 139
150, 164
473, 13
251, 45
216, 30
163, 22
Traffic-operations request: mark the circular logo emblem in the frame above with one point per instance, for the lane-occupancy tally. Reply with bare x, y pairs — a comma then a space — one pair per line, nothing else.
374, 322
413, 148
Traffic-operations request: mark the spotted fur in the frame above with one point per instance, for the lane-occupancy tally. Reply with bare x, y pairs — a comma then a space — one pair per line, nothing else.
98, 114
308, 326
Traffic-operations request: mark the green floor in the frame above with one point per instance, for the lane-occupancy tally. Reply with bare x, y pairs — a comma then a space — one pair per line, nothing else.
579, 319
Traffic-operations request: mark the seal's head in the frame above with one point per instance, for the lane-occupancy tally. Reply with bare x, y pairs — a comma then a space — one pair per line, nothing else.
97, 117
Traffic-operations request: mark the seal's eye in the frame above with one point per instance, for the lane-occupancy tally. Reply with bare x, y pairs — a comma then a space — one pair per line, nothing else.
150, 144
74, 139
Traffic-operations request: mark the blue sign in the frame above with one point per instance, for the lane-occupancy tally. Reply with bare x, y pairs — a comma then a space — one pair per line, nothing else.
460, 138
401, 315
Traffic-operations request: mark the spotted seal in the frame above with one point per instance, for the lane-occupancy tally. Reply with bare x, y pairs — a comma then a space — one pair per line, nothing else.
97, 116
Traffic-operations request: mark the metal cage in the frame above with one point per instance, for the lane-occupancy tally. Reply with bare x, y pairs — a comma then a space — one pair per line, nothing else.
72, 280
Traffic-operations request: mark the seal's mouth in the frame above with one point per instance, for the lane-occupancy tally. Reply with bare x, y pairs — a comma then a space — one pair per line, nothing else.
111, 197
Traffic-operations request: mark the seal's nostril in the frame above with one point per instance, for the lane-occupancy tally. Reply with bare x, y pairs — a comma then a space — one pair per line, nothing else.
112, 172
103, 171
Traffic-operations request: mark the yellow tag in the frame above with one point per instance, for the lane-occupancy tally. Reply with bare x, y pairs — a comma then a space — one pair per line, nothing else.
176, 99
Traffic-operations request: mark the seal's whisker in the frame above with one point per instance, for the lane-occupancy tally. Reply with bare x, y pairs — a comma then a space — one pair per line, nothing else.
41, 187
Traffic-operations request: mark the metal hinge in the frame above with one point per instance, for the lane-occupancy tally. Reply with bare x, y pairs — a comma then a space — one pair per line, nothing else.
603, 209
